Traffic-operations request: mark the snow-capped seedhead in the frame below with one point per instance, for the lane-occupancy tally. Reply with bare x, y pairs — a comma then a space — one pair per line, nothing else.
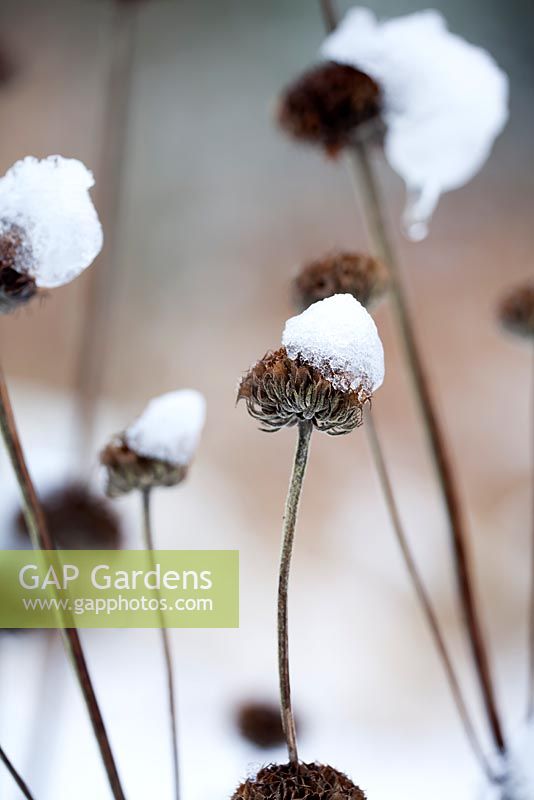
330, 364
302, 781
46, 204
158, 448
338, 337
517, 311
16, 288
444, 100
358, 274
327, 104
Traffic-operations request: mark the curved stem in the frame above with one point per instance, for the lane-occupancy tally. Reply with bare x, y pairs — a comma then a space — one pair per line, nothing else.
15, 775
149, 544
530, 696
290, 519
424, 599
42, 540
367, 189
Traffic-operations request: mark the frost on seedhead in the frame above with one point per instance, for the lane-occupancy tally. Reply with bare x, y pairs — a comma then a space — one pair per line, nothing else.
49, 202
169, 428
444, 100
340, 339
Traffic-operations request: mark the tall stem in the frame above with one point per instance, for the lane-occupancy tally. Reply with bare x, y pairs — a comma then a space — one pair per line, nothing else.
290, 519
15, 775
41, 540
530, 697
367, 190
97, 309
423, 597
149, 544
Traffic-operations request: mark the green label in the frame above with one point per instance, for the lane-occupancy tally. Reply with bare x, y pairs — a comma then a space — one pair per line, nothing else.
119, 589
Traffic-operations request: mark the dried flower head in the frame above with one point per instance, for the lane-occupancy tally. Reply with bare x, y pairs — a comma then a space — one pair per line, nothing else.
330, 363
517, 311
260, 724
280, 392
157, 449
298, 782
78, 520
360, 275
327, 104
16, 285
127, 471
444, 100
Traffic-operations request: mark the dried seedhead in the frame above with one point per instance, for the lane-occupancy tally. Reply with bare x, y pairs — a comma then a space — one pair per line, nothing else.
16, 287
280, 392
517, 311
362, 276
327, 104
78, 520
260, 724
298, 782
127, 471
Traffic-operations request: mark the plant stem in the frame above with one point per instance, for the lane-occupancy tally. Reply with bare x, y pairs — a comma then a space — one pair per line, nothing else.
423, 597
530, 697
149, 544
42, 540
329, 14
290, 519
97, 309
15, 775
367, 189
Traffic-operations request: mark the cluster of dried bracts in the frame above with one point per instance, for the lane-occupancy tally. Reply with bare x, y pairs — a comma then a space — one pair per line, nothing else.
398, 86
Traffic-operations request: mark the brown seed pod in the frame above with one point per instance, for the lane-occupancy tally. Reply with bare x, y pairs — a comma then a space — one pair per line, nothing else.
298, 782
327, 104
78, 520
260, 724
360, 275
16, 287
516, 312
127, 471
280, 392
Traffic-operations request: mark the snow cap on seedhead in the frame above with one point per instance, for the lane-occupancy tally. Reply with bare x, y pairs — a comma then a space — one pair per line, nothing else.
444, 100
330, 363
48, 220
158, 448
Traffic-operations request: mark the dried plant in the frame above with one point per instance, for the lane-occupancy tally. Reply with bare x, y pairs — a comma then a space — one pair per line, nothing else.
155, 451
302, 781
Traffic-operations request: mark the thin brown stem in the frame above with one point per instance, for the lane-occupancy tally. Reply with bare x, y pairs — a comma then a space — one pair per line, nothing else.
368, 192
102, 280
149, 544
15, 775
329, 14
290, 519
42, 540
530, 696
424, 598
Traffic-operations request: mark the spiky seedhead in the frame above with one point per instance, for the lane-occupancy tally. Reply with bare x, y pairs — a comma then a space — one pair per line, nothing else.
78, 520
16, 287
260, 723
327, 104
127, 471
281, 392
298, 782
516, 312
360, 275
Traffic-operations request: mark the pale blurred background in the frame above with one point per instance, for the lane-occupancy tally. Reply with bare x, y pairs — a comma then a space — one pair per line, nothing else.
217, 212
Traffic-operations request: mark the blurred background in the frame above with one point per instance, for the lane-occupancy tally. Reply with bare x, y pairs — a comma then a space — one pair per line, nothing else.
217, 212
